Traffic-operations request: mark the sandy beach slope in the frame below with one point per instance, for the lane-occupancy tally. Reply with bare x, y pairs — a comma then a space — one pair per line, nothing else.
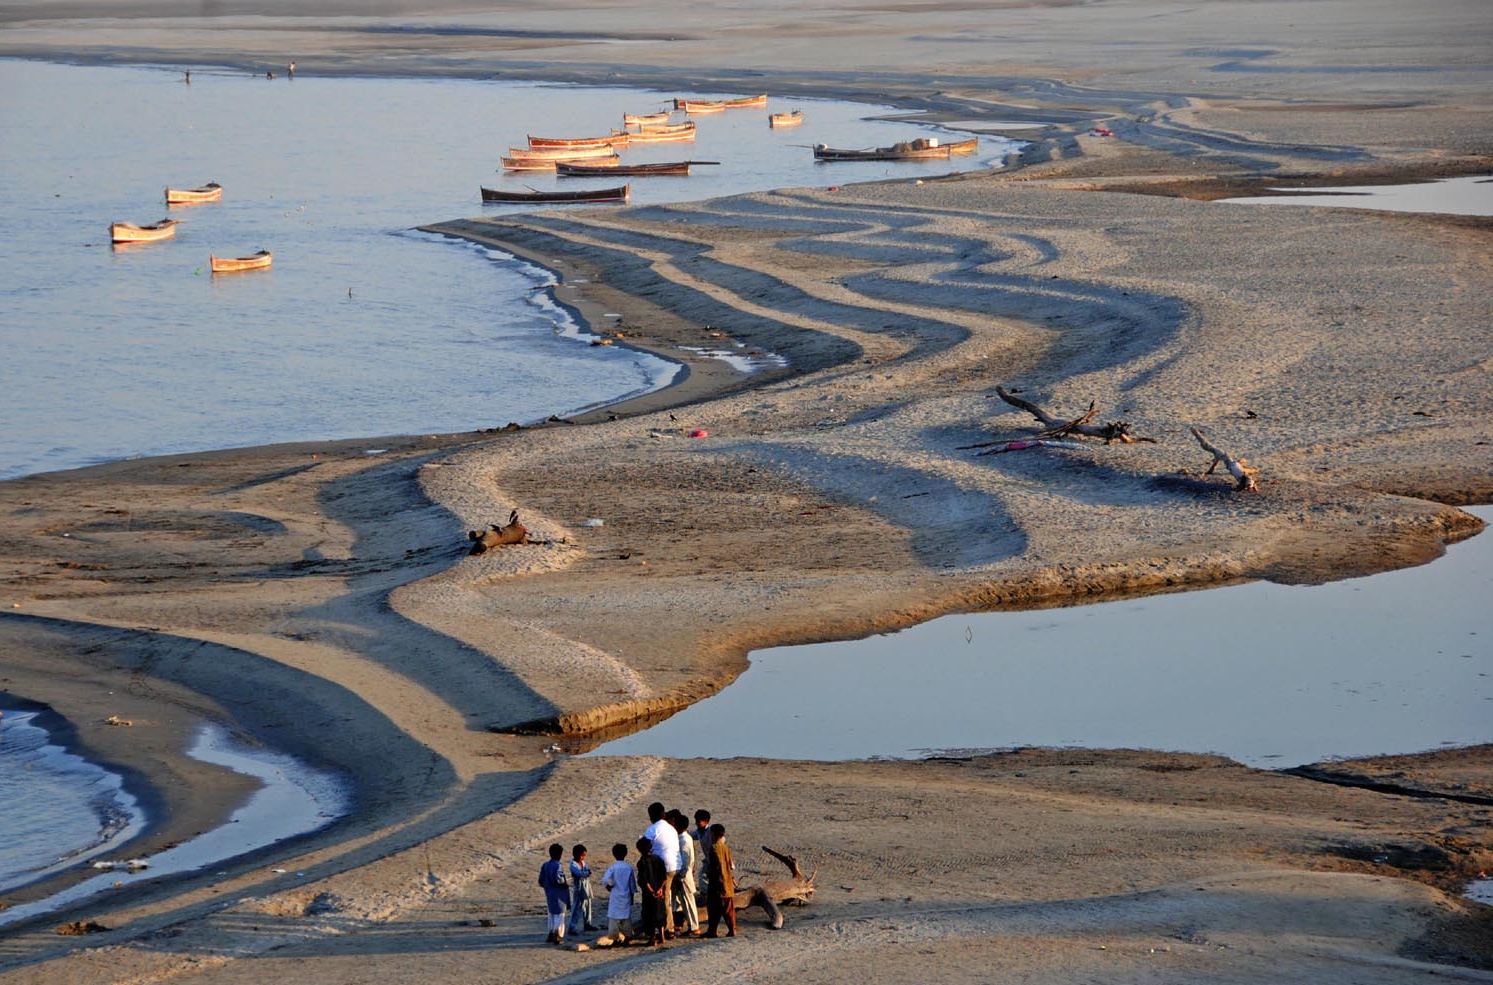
319, 598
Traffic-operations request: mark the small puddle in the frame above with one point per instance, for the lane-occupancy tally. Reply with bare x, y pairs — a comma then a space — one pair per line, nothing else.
1448, 196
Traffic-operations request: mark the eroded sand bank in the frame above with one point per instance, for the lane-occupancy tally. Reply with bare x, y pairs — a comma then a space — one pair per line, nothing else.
320, 598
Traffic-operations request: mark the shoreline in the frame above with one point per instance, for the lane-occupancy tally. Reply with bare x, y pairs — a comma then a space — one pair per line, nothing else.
838, 500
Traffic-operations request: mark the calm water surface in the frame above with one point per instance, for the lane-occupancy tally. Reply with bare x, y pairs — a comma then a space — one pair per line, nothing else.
1270, 675
362, 327
1447, 196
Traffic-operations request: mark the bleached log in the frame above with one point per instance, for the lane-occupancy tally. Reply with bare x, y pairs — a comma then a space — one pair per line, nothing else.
1243, 473
497, 536
798, 888
1058, 427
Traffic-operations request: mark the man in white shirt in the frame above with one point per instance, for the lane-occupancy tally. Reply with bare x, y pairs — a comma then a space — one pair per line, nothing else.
665, 840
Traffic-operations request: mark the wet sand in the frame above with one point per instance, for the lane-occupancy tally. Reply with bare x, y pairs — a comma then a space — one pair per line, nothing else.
320, 599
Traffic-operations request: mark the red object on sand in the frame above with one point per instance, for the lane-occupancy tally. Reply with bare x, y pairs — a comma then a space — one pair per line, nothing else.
699, 433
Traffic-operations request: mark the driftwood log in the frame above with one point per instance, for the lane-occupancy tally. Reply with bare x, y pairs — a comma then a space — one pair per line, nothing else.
1243, 472
1058, 427
795, 889
496, 536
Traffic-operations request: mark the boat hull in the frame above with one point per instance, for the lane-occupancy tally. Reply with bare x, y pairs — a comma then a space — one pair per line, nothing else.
582, 170
548, 164
128, 232
210, 192
615, 138
779, 120
234, 265
598, 195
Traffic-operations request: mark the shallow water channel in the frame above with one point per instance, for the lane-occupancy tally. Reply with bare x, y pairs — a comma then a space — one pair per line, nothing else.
1270, 675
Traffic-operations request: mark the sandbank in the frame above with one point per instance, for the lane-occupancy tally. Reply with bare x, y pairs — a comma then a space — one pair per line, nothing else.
320, 599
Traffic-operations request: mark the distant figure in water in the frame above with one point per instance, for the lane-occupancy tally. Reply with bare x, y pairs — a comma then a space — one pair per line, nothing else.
269, 75
187, 78
290, 70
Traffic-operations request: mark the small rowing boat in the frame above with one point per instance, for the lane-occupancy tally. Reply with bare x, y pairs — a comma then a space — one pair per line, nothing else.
128, 232
922, 149
232, 265
619, 194
720, 105
549, 163
581, 169
746, 102
210, 192
790, 119
616, 137
643, 119
560, 153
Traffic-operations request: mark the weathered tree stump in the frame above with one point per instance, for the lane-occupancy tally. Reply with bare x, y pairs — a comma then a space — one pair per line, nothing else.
497, 536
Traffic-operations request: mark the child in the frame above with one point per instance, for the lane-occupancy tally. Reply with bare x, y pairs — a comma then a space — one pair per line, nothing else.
620, 882
580, 884
653, 879
721, 900
556, 894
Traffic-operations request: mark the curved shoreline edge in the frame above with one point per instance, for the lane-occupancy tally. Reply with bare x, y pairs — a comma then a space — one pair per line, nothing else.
797, 504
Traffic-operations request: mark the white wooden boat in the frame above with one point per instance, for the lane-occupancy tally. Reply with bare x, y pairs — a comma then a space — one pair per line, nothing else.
128, 232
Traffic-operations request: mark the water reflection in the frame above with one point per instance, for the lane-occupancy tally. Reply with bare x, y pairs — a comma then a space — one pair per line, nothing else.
1267, 674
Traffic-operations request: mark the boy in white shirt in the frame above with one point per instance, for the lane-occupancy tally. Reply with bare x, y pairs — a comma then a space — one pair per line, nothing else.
622, 884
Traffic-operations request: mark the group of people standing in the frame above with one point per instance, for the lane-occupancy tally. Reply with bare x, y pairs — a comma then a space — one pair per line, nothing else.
677, 866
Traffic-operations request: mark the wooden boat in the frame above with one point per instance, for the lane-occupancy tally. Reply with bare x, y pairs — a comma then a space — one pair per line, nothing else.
643, 119
720, 105
583, 170
548, 163
128, 232
616, 137
210, 192
560, 153
922, 149
620, 194
665, 135
964, 146
230, 265
698, 106
790, 119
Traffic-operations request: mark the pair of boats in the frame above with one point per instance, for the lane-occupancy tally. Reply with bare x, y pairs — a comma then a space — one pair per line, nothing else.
921, 149
123, 233
129, 232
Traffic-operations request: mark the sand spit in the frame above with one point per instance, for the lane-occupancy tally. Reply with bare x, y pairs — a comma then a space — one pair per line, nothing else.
320, 599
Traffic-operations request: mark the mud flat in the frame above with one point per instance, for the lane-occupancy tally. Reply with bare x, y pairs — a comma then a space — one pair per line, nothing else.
320, 598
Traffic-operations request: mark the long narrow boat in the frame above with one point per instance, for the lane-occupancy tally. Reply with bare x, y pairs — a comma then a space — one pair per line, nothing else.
792, 118
720, 105
210, 192
548, 163
620, 194
688, 126
560, 153
911, 150
665, 135
128, 232
582, 170
232, 265
643, 119
616, 137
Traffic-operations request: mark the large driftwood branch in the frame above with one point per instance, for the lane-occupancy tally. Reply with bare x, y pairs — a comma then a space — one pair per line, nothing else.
795, 889
1239, 468
1058, 427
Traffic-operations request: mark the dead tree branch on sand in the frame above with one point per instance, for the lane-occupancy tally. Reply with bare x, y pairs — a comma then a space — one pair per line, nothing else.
497, 536
796, 889
1057, 427
1239, 468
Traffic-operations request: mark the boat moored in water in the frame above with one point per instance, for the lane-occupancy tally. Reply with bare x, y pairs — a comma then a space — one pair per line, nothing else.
581, 169
210, 192
232, 265
128, 232
792, 118
620, 194
550, 163
922, 149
